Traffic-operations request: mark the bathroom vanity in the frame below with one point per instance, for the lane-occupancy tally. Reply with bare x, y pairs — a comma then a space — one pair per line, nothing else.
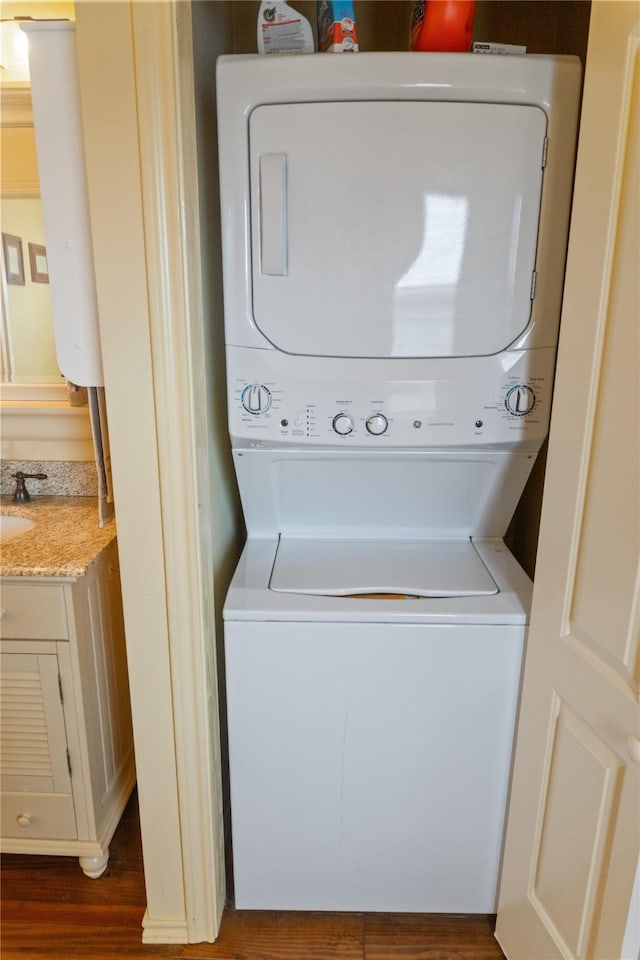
67, 766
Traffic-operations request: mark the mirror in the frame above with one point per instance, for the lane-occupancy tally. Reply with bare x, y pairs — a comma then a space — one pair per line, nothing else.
28, 346
38, 421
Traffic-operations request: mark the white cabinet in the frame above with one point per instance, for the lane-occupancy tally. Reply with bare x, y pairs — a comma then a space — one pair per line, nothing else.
36, 781
66, 764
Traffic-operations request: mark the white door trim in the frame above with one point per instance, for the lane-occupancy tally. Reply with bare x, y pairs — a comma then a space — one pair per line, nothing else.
166, 112
141, 163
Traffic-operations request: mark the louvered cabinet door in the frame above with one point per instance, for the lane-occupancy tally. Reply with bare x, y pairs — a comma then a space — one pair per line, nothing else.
36, 785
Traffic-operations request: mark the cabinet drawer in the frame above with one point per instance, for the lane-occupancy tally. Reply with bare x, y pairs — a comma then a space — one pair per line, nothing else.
33, 612
38, 817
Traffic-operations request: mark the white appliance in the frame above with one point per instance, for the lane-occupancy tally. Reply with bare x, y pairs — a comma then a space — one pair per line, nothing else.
394, 233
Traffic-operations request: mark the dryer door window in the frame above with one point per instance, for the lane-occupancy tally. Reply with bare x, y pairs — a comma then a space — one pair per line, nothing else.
394, 229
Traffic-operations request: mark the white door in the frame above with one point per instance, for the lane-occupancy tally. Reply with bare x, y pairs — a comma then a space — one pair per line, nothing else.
373, 235
573, 833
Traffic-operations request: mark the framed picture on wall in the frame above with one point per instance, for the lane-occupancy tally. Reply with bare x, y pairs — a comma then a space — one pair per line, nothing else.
13, 259
38, 263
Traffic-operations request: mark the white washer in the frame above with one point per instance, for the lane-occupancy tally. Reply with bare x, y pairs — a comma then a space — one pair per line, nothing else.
370, 740
394, 233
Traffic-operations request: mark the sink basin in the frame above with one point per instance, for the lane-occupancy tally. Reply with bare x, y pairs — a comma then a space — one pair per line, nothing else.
11, 527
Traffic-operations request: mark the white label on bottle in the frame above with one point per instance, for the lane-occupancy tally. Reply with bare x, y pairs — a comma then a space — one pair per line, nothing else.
282, 31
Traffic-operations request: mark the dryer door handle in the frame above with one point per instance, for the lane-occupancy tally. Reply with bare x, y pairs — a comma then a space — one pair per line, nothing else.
273, 214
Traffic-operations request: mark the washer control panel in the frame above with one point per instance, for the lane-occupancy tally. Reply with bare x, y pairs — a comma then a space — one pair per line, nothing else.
501, 399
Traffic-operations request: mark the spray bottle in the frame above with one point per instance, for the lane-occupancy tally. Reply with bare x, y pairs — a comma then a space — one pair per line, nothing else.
281, 29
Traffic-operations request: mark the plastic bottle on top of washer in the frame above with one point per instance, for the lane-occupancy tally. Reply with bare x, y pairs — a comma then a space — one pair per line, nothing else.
442, 25
281, 29
337, 29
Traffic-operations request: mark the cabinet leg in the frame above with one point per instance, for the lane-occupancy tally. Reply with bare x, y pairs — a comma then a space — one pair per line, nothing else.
94, 867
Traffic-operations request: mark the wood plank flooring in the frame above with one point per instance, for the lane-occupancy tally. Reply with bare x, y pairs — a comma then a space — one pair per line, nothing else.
51, 911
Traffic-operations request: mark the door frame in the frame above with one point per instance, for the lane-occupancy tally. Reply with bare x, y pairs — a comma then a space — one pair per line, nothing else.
149, 301
145, 232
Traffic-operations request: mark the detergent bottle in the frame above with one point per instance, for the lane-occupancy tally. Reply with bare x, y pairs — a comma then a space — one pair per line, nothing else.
442, 25
337, 29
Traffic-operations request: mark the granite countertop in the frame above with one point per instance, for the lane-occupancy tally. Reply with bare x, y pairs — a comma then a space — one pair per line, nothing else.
65, 541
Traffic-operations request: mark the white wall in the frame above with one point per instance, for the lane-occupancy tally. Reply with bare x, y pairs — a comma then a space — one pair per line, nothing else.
30, 330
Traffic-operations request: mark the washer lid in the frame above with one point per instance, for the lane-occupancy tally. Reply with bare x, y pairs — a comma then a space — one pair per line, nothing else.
394, 229
339, 568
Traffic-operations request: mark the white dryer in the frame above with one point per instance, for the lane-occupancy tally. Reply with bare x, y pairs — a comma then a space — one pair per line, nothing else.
394, 233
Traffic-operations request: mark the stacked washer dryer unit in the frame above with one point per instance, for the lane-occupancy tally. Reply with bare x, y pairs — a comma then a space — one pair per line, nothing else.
394, 233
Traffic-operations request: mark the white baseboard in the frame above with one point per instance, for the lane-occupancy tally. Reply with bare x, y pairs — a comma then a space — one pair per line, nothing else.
163, 931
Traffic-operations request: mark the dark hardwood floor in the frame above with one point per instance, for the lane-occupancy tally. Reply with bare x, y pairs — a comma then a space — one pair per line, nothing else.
51, 911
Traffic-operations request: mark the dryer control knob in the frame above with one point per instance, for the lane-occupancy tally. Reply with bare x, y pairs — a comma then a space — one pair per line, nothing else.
377, 424
256, 398
520, 400
342, 424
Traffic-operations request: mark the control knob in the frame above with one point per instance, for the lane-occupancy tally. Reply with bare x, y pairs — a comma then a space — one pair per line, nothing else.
256, 398
520, 400
377, 424
342, 424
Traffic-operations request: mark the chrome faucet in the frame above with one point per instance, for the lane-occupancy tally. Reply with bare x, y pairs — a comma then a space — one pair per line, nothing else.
21, 494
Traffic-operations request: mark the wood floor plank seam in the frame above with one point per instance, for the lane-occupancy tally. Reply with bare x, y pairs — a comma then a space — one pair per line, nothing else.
51, 911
